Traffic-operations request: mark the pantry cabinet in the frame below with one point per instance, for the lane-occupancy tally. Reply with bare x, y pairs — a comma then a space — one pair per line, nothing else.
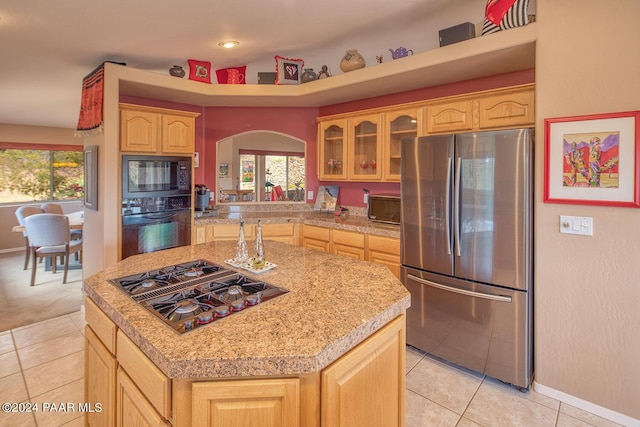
156, 130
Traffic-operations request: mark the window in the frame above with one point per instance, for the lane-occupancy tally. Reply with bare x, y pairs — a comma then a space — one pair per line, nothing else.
54, 173
265, 171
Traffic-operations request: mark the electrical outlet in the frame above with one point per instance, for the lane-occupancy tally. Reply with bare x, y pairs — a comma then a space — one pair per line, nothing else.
366, 198
309, 195
576, 225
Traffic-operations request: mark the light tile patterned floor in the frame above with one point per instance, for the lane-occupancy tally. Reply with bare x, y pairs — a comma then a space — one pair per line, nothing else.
43, 362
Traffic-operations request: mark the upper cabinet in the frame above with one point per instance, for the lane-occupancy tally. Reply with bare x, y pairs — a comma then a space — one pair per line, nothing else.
156, 130
371, 149
398, 124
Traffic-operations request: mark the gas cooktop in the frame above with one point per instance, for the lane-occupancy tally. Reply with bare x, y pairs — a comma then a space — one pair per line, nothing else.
193, 294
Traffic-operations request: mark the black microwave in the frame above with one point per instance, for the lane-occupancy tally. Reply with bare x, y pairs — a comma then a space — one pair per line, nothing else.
155, 176
384, 208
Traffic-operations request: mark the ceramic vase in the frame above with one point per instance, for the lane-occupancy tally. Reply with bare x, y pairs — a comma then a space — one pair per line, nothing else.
176, 71
352, 60
308, 75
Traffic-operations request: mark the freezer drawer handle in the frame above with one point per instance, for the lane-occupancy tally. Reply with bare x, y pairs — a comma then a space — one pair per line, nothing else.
501, 298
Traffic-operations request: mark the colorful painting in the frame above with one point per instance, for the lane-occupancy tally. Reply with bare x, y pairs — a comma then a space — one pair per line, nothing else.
247, 171
591, 159
327, 198
223, 170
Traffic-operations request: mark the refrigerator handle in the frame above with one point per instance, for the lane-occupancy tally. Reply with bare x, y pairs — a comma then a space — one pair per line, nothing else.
447, 204
501, 298
456, 207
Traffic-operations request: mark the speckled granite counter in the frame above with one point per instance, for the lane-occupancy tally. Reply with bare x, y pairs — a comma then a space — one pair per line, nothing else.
333, 304
348, 222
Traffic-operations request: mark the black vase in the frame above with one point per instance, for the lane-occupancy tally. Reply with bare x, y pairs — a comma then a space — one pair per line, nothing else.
176, 71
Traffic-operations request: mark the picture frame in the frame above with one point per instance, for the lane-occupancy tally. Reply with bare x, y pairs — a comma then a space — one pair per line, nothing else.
196, 159
593, 159
91, 177
223, 170
288, 70
199, 71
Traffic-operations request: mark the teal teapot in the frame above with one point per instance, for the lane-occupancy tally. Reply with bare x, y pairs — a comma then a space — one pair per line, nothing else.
400, 52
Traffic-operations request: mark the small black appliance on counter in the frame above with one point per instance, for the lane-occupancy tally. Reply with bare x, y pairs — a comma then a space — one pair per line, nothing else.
203, 196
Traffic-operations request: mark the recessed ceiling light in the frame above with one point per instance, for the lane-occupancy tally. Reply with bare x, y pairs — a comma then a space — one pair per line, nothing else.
228, 44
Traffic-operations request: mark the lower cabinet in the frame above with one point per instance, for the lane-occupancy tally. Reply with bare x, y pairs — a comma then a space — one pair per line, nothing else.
314, 237
246, 403
133, 409
286, 233
100, 368
385, 251
348, 243
366, 387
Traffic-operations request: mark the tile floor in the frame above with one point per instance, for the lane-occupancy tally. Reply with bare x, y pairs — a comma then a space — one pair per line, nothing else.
43, 362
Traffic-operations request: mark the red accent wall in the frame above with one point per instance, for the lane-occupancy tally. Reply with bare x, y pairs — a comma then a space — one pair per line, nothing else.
217, 123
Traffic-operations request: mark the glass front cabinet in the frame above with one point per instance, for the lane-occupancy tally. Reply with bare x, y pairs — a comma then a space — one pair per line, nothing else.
399, 124
332, 141
365, 150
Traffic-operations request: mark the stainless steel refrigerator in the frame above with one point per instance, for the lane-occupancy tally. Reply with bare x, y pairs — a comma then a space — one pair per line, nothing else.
467, 249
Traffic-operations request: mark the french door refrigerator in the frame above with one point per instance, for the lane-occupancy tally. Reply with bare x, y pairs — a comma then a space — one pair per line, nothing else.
466, 252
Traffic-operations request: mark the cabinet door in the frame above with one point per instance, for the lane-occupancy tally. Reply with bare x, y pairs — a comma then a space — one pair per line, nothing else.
347, 243
178, 134
99, 380
398, 125
366, 387
447, 117
247, 403
285, 233
385, 251
132, 407
317, 238
139, 131
332, 150
365, 148
507, 109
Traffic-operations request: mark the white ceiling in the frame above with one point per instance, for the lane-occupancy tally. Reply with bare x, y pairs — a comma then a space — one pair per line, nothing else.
47, 46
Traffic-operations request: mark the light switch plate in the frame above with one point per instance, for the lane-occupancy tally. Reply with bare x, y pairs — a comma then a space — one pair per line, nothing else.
366, 198
582, 225
309, 195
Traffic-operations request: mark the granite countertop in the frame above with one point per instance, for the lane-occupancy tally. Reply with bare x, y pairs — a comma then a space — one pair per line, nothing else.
348, 222
333, 304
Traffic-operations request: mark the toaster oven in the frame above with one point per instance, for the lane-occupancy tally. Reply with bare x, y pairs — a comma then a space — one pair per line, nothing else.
384, 208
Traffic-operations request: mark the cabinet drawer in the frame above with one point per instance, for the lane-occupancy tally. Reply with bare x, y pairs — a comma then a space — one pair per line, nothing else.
150, 380
317, 233
388, 245
348, 238
101, 325
231, 231
271, 230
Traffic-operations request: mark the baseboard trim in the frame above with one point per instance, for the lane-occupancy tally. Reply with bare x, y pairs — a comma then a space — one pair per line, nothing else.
9, 250
598, 410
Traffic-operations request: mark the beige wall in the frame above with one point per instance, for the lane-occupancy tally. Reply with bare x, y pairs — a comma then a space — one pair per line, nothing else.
587, 291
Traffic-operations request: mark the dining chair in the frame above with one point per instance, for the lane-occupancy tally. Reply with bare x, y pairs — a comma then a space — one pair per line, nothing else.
21, 213
49, 236
55, 208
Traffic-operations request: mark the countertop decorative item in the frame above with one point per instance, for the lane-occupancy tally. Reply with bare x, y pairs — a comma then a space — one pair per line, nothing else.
308, 75
352, 60
324, 72
176, 71
400, 52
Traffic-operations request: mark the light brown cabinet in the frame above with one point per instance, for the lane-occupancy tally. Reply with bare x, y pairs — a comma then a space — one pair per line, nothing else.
314, 237
133, 408
248, 403
347, 243
156, 130
348, 142
366, 387
100, 367
384, 250
286, 233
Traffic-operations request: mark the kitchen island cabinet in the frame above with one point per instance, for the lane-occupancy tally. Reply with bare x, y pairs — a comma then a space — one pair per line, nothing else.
292, 361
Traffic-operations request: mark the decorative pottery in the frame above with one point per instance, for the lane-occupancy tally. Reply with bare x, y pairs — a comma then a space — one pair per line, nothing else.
308, 75
373, 164
324, 72
400, 52
234, 76
364, 164
352, 60
176, 71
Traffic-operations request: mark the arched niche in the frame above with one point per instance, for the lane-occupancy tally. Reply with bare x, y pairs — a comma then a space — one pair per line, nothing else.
262, 144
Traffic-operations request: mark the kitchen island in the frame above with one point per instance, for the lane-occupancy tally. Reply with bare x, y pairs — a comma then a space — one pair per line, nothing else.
328, 352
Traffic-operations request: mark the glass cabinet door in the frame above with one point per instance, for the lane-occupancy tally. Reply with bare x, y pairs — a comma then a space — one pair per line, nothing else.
333, 150
400, 124
365, 148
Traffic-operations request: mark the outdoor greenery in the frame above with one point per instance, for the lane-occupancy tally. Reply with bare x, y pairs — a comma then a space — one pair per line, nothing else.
28, 175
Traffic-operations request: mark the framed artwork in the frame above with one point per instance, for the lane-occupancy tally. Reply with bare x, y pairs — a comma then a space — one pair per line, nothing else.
223, 170
288, 70
91, 177
593, 160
